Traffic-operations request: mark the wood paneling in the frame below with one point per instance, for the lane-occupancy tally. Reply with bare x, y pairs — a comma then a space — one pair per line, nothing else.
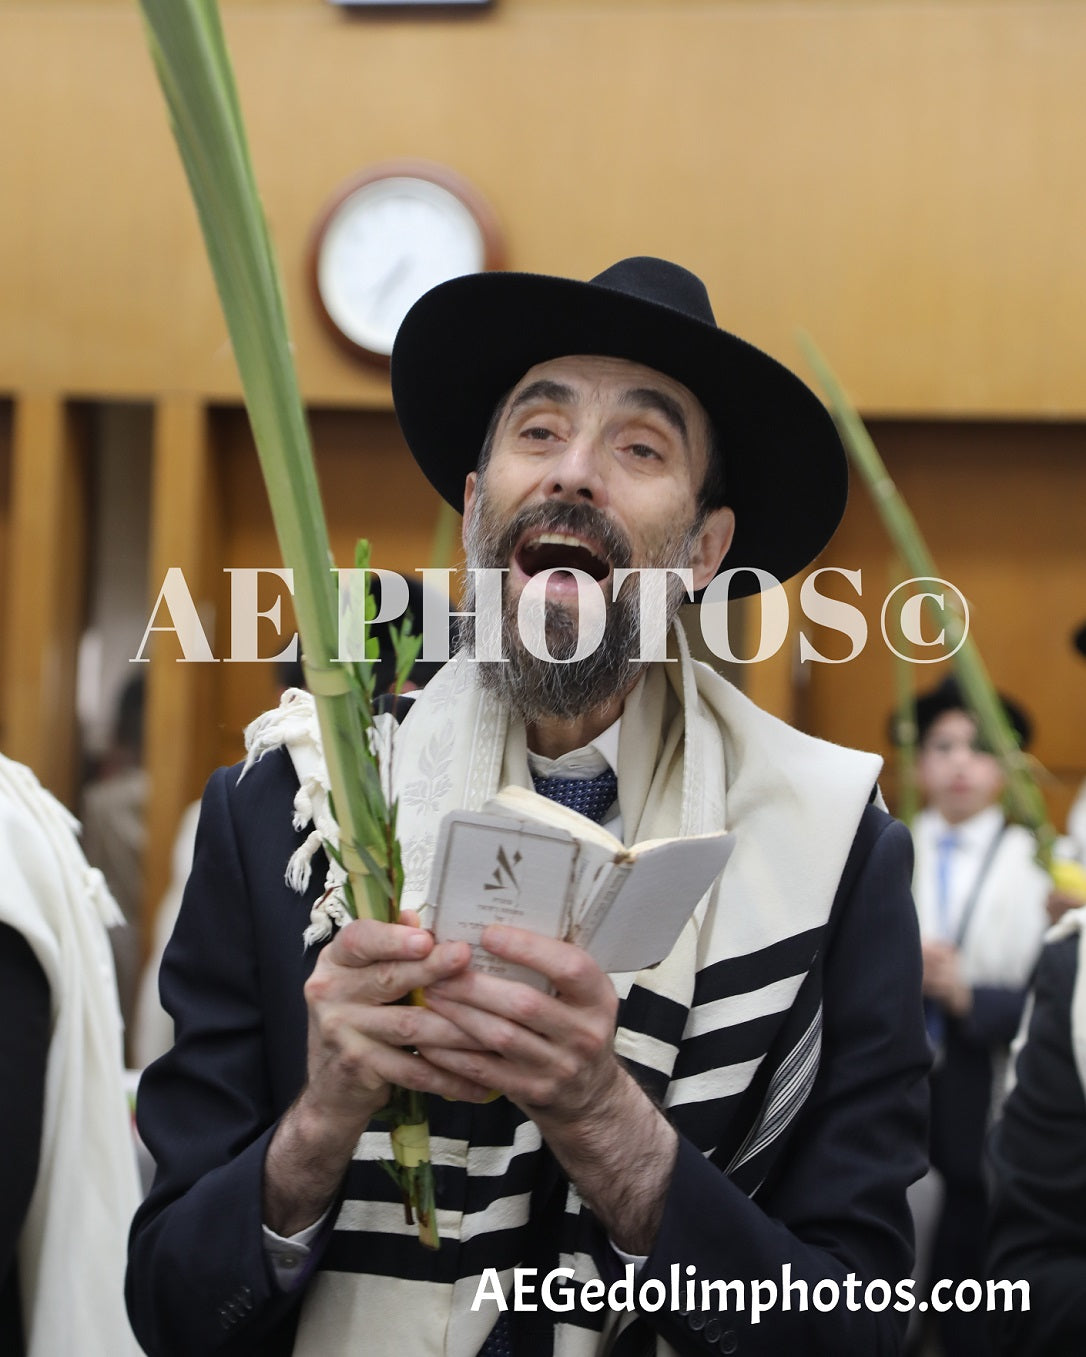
5, 571
182, 699
45, 587
370, 487
899, 178
1001, 508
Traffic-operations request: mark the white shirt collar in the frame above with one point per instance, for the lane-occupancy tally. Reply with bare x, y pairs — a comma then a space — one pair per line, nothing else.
588, 761
974, 834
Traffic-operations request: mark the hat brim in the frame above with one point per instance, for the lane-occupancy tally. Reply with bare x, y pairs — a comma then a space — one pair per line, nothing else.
467, 342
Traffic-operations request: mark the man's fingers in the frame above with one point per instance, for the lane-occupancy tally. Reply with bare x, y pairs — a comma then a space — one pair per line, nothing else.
363, 941
411, 1025
486, 1030
379, 963
376, 1063
570, 969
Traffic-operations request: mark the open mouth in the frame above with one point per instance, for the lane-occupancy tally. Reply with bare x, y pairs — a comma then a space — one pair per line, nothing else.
561, 551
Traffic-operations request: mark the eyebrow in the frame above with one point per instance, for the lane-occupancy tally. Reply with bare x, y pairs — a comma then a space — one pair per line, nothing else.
636, 398
543, 390
648, 398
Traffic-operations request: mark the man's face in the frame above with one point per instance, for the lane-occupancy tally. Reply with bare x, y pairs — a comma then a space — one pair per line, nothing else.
956, 777
596, 464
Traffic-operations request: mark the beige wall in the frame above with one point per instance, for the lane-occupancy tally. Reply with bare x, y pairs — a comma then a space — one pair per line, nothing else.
902, 180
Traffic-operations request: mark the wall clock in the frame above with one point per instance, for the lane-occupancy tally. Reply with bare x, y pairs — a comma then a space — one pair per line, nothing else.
386, 237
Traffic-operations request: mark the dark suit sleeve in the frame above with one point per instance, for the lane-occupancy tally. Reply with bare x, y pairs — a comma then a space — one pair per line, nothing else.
836, 1206
1038, 1158
24, 1048
994, 1018
232, 980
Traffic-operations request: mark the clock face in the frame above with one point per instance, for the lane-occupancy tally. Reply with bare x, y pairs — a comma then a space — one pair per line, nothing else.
388, 239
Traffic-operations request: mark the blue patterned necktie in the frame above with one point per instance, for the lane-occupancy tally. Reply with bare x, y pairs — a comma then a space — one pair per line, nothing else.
944, 853
594, 797
591, 796
934, 1017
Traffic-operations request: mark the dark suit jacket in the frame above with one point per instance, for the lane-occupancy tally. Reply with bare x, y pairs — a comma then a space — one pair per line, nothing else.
1038, 1157
25, 1030
834, 1202
961, 1096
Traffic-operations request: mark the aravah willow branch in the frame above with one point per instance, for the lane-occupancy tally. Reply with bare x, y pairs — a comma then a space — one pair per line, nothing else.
1025, 800
193, 64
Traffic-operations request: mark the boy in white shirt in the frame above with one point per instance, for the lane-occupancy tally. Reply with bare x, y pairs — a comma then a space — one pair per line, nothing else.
981, 902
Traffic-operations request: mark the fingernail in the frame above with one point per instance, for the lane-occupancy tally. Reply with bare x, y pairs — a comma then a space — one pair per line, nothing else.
418, 943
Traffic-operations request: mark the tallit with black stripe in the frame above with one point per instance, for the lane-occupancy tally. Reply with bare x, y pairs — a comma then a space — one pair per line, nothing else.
724, 1034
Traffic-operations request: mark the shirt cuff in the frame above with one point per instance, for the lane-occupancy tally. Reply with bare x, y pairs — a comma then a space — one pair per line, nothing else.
288, 1256
638, 1259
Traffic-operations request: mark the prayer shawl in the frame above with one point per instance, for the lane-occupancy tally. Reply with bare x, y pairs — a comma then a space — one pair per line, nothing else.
1006, 922
694, 756
73, 1243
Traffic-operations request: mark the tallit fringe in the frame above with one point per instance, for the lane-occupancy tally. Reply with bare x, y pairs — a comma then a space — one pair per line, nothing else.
293, 725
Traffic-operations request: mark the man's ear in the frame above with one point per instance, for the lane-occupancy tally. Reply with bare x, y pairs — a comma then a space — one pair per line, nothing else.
469, 503
714, 539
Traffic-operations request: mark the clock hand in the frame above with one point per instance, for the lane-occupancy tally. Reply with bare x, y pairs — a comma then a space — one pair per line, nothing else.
391, 278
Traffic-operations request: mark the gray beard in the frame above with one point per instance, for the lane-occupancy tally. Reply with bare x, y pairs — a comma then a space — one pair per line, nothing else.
560, 688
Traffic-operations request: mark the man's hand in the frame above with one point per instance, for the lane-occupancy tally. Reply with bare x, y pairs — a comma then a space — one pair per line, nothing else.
553, 1055
360, 1041
548, 1053
943, 979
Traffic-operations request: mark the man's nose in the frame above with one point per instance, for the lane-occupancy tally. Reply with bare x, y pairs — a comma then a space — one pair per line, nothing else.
578, 474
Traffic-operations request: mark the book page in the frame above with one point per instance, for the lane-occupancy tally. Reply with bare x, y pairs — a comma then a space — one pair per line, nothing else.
635, 918
490, 869
519, 801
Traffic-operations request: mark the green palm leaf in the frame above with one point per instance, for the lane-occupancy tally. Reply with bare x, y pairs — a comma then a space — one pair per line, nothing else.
193, 65
1025, 799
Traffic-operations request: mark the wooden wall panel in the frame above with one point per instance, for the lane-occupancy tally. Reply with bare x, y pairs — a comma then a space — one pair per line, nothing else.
45, 587
1001, 508
900, 178
370, 487
182, 705
5, 539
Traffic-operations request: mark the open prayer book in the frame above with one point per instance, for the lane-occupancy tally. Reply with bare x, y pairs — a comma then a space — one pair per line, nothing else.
526, 861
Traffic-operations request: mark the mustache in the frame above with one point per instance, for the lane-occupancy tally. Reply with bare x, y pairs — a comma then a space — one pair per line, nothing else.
585, 520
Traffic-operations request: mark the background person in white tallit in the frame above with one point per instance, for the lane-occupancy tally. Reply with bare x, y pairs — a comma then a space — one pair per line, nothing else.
1037, 1154
981, 902
68, 1183
755, 1102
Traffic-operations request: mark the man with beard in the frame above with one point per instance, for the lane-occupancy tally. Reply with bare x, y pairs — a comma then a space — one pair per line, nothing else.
751, 1111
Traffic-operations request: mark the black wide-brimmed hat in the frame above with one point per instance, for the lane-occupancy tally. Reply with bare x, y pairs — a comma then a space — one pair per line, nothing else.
1078, 639
948, 696
468, 341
